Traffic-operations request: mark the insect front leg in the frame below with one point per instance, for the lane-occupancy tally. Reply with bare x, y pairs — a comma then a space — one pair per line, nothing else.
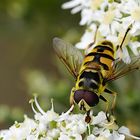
88, 118
114, 99
92, 43
72, 96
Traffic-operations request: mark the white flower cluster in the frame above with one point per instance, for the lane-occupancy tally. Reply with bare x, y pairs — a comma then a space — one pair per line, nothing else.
112, 18
52, 126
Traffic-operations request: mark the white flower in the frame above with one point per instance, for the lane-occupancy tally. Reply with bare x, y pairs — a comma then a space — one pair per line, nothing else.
113, 18
126, 131
77, 5
87, 38
54, 133
109, 25
87, 16
91, 137
131, 9
118, 137
19, 130
134, 46
50, 125
97, 4
101, 117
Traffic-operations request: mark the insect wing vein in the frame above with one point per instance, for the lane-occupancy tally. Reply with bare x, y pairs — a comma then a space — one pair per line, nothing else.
69, 55
121, 68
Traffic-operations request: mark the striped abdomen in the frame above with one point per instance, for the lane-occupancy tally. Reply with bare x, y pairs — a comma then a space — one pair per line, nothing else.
101, 55
97, 64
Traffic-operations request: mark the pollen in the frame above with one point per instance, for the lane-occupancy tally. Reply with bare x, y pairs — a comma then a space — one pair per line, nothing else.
136, 14
95, 4
108, 17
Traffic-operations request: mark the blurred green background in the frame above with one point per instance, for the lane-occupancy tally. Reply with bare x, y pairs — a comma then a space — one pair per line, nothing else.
29, 65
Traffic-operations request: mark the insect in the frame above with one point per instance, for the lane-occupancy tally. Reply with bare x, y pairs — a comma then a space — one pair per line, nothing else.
93, 71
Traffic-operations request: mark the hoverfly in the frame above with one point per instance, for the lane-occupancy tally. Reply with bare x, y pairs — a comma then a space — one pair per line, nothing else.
93, 71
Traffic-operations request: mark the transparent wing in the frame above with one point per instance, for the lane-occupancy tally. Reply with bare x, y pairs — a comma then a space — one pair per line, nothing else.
69, 55
121, 68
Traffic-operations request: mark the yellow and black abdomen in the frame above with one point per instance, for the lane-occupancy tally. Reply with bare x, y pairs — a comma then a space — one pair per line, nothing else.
102, 56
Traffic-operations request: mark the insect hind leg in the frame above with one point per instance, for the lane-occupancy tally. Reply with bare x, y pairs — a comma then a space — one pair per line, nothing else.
107, 106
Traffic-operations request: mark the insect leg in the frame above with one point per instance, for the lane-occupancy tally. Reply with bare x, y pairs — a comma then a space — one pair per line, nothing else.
128, 29
114, 99
107, 105
94, 41
95, 36
119, 46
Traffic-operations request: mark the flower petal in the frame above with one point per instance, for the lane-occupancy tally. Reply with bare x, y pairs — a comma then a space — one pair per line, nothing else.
101, 117
124, 130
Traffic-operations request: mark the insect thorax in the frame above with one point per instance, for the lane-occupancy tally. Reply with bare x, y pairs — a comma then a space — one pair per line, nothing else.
89, 79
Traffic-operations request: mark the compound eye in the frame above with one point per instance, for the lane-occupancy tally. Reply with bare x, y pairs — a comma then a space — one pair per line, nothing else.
91, 98
78, 95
